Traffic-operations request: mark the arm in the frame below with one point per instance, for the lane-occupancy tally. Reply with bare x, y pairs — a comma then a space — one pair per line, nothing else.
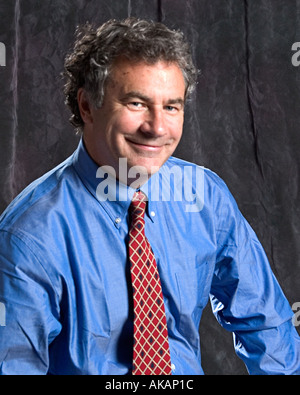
248, 301
31, 311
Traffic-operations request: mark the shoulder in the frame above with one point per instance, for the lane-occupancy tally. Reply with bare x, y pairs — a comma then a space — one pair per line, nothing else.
190, 170
35, 200
208, 185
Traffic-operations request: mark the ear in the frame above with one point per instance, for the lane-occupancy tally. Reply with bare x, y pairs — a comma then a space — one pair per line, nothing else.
84, 106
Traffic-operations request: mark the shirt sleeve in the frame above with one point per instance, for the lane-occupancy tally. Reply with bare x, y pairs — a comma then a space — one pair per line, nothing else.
30, 307
247, 299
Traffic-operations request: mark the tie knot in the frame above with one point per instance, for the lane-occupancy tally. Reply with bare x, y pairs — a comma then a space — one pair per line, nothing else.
138, 204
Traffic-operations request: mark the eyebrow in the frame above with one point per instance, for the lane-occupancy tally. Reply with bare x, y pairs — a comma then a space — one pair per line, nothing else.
141, 96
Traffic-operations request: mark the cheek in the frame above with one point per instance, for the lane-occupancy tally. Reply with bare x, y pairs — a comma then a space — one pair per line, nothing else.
117, 127
127, 122
176, 129
122, 126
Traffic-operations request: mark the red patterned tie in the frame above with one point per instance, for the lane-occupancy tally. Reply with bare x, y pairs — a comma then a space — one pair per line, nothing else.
151, 353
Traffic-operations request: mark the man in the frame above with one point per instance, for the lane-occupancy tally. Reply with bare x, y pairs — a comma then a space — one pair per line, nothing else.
71, 242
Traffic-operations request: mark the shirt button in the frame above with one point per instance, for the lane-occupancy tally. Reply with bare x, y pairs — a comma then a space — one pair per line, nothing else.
117, 220
173, 367
152, 213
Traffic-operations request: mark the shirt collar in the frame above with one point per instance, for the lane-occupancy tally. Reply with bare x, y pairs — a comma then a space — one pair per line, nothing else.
114, 196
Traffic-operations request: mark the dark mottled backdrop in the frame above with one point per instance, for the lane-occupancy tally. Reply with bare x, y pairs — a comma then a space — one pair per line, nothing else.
243, 123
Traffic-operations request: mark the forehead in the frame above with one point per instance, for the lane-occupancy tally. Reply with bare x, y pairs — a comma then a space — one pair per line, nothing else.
160, 76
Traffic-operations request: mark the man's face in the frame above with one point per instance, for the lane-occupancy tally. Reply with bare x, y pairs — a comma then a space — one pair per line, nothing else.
141, 118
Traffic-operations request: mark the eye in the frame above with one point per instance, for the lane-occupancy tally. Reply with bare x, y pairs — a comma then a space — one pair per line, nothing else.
136, 105
172, 109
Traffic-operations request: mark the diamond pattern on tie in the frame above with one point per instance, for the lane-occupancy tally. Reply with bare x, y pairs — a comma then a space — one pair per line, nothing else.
151, 353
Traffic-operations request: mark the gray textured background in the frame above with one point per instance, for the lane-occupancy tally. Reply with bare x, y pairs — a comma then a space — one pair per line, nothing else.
243, 123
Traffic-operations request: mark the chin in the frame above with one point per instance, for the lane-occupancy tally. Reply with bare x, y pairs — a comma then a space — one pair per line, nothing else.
138, 172
146, 167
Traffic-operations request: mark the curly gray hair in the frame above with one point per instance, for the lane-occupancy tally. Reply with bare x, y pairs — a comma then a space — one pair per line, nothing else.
95, 51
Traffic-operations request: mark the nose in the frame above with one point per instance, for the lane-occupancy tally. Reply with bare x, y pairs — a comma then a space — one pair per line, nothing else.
154, 123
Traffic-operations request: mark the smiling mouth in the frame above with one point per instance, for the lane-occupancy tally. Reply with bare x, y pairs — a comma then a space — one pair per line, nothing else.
146, 147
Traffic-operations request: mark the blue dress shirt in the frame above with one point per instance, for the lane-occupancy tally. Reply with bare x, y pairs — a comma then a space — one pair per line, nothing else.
65, 283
